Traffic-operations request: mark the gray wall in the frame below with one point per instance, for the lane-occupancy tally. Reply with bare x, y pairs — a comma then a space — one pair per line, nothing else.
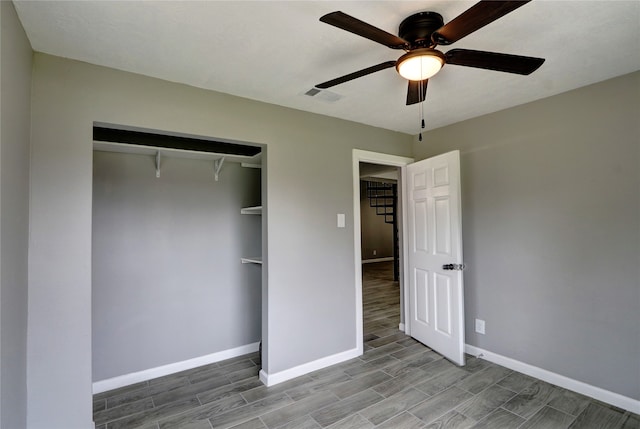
167, 280
310, 278
551, 230
15, 90
376, 234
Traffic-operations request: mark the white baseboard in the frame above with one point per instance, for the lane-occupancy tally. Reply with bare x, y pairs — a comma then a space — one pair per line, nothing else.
172, 368
401, 327
598, 393
370, 261
297, 371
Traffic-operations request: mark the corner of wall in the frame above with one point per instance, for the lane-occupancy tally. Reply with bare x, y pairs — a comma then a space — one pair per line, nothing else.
16, 62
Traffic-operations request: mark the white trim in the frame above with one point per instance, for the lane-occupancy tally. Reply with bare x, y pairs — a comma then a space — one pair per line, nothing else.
263, 377
359, 156
370, 261
404, 279
172, 368
598, 393
401, 327
297, 371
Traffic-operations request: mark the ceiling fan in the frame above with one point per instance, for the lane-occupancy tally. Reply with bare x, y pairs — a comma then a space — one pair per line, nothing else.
421, 33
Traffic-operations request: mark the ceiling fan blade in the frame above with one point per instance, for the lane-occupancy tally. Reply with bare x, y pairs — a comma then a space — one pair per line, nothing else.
493, 61
355, 75
361, 28
474, 18
417, 91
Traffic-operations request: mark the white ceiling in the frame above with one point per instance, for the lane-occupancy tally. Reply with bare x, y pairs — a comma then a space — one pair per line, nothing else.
274, 51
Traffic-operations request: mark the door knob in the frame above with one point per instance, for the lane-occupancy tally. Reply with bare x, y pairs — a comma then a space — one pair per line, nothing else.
453, 267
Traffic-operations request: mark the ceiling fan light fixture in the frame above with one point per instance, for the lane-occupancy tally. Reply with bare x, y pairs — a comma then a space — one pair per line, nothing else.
420, 64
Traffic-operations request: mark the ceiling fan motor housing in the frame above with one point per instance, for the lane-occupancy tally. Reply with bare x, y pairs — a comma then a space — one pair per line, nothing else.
418, 28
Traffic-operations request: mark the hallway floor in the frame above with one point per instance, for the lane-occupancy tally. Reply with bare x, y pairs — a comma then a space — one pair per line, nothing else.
398, 383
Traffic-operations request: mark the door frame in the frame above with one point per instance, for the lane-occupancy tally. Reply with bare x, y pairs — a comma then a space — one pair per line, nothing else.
359, 156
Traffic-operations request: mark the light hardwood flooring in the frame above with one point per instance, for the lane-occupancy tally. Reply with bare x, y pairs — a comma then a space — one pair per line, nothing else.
397, 384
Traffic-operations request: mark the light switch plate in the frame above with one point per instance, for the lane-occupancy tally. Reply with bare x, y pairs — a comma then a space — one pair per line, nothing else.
341, 221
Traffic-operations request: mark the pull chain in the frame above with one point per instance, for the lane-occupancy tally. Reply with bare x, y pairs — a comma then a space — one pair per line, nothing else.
420, 92
421, 98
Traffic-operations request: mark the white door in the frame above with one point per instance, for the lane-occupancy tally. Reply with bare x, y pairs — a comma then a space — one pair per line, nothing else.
436, 300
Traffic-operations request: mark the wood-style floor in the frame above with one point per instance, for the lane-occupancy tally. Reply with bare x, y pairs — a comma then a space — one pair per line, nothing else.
398, 383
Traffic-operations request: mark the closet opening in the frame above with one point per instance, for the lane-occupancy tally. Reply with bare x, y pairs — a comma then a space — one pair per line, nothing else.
177, 251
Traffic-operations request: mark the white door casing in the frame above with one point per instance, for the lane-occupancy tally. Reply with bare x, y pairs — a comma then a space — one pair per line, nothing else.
436, 298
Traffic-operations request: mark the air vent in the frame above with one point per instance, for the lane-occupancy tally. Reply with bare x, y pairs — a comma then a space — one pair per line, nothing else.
323, 95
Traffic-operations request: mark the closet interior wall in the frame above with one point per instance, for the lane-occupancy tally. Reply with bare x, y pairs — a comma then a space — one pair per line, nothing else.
167, 281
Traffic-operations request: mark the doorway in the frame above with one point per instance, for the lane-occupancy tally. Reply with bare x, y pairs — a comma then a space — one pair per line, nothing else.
430, 249
380, 253
389, 162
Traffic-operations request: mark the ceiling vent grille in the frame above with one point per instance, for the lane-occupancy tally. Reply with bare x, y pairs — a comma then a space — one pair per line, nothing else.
323, 95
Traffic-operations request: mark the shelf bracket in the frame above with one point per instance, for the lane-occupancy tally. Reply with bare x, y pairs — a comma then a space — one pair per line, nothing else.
158, 164
217, 166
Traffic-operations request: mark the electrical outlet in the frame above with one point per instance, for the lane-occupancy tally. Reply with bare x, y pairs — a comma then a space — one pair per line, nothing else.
480, 326
375, 252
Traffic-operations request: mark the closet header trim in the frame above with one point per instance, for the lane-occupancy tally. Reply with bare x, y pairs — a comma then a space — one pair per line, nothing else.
160, 141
